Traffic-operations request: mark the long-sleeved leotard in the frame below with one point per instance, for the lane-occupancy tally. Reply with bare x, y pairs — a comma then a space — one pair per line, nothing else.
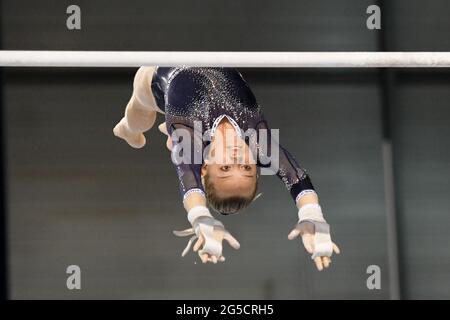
202, 97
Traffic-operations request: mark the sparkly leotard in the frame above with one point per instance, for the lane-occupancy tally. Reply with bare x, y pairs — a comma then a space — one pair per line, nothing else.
206, 95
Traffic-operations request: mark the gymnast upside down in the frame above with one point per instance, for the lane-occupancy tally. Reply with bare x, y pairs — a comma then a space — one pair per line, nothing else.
217, 103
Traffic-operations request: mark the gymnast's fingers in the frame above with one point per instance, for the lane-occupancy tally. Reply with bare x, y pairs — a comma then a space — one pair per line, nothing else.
336, 249
318, 262
199, 243
204, 257
326, 261
308, 243
294, 234
232, 240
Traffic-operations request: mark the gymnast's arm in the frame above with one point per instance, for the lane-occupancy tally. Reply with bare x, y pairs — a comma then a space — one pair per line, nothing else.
194, 200
310, 198
185, 144
287, 169
209, 231
311, 226
190, 199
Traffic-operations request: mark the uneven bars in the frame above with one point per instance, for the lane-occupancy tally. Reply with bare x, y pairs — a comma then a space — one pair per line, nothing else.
225, 59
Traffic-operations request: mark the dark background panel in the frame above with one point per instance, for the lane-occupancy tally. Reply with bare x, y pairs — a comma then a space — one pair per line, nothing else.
423, 148
419, 25
190, 25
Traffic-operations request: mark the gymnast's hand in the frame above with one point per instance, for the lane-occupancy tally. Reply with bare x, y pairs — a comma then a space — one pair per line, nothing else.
315, 233
209, 234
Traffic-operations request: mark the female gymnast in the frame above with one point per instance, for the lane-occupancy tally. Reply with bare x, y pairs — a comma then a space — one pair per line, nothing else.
208, 114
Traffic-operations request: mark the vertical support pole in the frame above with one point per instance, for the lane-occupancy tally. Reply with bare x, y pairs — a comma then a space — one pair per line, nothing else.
387, 89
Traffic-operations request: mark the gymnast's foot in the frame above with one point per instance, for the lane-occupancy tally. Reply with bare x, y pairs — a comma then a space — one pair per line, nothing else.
134, 139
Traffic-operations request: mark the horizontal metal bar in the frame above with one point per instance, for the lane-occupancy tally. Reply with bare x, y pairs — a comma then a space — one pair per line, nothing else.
225, 59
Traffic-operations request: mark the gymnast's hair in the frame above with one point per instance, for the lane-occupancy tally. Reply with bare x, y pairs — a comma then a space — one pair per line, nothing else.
227, 205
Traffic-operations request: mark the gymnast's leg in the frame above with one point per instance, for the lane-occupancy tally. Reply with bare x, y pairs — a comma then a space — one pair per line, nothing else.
140, 113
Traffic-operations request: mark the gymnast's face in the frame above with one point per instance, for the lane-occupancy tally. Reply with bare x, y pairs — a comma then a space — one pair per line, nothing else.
232, 179
230, 165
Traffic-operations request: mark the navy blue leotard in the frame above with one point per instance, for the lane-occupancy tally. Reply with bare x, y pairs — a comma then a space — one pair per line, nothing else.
206, 95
